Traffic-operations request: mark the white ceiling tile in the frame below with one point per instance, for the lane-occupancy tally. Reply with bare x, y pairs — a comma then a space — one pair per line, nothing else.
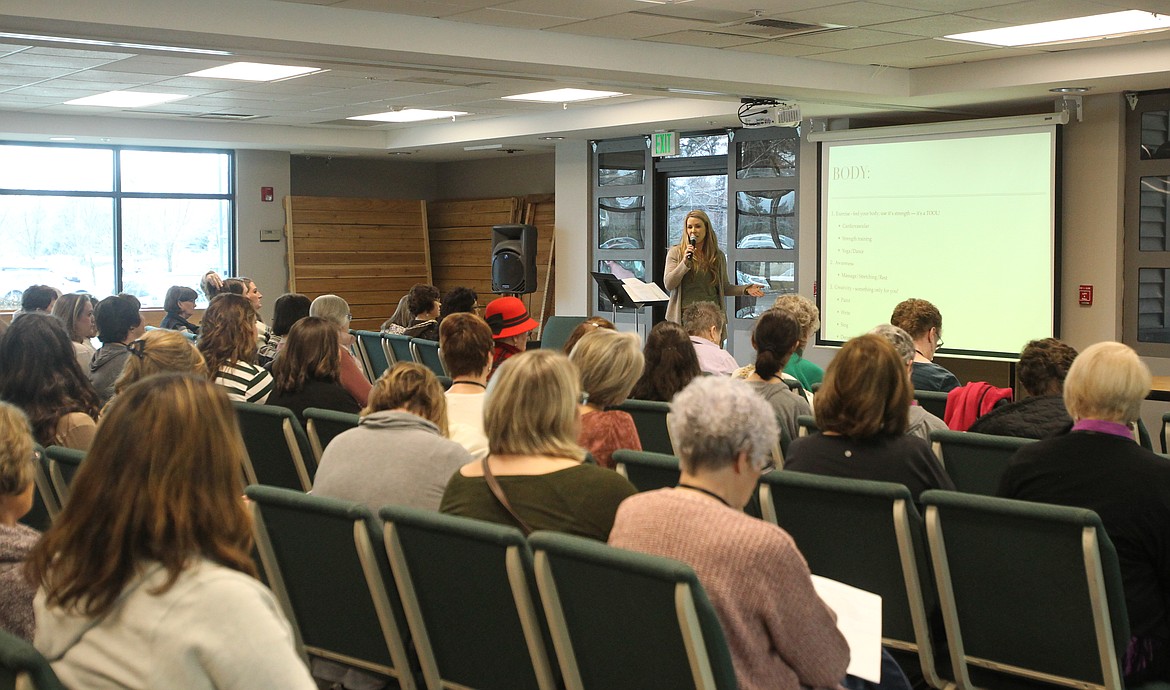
855, 14
706, 39
578, 9
847, 39
1038, 11
32, 72
946, 6
781, 48
516, 20
630, 25
74, 52
939, 25
908, 54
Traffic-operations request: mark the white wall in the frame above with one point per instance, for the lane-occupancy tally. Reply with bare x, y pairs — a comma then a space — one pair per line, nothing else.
572, 227
263, 262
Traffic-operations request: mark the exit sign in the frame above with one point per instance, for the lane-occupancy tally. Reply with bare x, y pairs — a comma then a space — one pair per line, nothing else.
665, 143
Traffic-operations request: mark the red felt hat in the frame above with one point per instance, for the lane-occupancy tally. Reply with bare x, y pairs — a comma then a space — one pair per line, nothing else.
508, 317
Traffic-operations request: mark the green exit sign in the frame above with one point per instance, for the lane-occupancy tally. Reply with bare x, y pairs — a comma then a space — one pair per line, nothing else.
665, 143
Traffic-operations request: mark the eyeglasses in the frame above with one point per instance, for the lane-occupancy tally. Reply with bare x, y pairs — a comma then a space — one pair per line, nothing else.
768, 467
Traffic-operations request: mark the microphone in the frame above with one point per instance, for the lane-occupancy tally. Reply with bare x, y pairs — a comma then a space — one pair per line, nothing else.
691, 239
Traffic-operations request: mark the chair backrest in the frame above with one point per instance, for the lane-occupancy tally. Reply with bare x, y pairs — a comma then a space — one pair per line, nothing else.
866, 534
1026, 589
934, 402
373, 352
326, 564
457, 579
650, 420
1162, 432
20, 661
322, 426
647, 471
589, 590
279, 453
397, 347
426, 353
557, 330
358, 350
806, 425
63, 465
975, 462
45, 504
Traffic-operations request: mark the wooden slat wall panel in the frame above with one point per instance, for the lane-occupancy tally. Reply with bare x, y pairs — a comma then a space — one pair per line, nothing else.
541, 212
461, 241
368, 251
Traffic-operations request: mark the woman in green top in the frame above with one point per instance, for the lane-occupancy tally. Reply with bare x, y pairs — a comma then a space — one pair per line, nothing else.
697, 271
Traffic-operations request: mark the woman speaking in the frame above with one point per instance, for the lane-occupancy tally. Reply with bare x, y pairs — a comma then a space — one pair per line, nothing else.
696, 269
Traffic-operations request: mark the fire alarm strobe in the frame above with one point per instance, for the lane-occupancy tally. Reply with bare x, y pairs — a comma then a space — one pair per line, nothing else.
1085, 295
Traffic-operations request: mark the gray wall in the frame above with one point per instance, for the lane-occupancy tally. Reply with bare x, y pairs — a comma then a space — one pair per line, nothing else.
507, 175
363, 177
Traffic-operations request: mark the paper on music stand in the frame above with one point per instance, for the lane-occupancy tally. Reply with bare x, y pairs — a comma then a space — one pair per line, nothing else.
642, 292
859, 618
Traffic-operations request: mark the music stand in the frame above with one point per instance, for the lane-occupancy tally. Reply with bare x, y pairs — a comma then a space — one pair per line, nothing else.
615, 291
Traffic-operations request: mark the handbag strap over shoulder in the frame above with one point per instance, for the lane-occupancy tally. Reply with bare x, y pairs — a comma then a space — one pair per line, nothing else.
498, 492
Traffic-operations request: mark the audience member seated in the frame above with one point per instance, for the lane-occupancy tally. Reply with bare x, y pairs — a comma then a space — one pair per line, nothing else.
227, 340
466, 343
160, 352
336, 311
458, 300
211, 284
41, 376
288, 309
534, 461
1043, 366
775, 338
671, 362
1099, 466
119, 322
923, 322
38, 298
76, 311
779, 632
609, 363
399, 452
179, 304
809, 318
510, 324
16, 540
863, 410
921, 422
704, 323
146, 579
308, 371
400, 319
245, 287
587, 326
424, 304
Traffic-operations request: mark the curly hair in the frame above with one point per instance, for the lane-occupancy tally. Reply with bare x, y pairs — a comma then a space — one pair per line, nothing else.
458, 300
1043, 366
312, 352
916, 317
41, 374
422, 298
671, 363
411, 386
16, 451
228, 332
806, 313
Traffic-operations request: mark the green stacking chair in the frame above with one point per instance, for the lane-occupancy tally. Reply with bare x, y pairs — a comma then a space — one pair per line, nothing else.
868, 535
279, 453
557, 330
63, 465
589, 590
806, 425
358, 350
45, 505
934, 402
1027, 590
326, 564
647, 471
397, 348
21, 665
469, 594
322, 426
373, 353
975, 462
445, 382
427, 353
650, 420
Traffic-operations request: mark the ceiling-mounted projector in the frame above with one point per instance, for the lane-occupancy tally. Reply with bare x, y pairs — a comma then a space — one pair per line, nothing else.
758, 113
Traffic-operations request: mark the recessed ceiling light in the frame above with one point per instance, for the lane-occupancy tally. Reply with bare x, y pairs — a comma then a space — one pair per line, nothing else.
483, 147
1071, 89
254, 71
110, 44
1095, 27
409, 115
551, 138
62, 138
563, 96
126, 99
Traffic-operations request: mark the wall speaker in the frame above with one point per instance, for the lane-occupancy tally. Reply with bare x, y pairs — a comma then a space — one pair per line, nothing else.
514, 259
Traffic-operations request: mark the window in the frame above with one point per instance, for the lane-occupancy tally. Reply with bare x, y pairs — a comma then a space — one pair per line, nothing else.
103, 220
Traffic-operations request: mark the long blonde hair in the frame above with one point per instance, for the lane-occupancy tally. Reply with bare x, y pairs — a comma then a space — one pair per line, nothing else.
531, 408
707, 254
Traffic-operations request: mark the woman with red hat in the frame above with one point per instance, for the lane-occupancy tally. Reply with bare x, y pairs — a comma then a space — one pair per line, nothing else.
510, 323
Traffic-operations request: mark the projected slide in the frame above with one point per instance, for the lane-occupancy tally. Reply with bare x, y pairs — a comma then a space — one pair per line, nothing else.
964, 221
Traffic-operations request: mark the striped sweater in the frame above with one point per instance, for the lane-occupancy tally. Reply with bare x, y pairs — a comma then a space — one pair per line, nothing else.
245, 382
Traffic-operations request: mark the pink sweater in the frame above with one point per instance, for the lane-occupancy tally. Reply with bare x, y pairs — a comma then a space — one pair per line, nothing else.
780, 633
